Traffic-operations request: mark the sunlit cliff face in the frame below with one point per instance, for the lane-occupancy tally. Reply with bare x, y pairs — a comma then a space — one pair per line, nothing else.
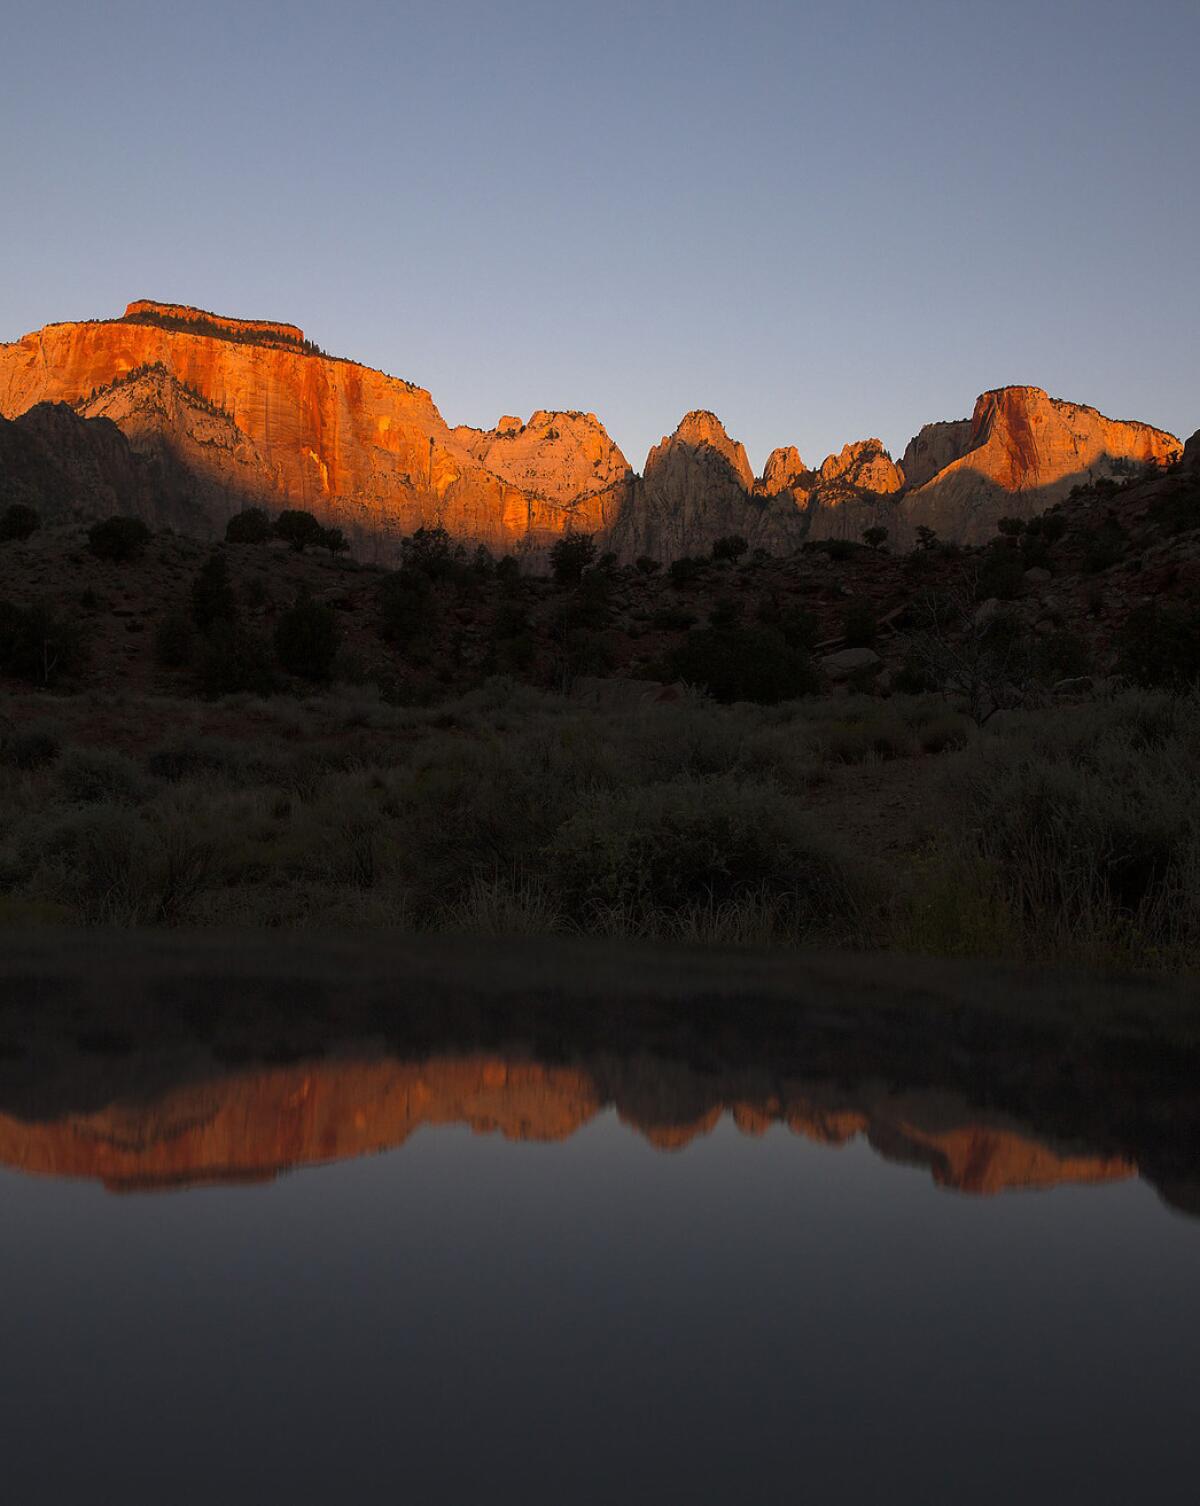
259, 414
254, 1125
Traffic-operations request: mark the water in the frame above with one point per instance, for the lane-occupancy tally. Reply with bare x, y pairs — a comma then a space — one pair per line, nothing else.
588, 1275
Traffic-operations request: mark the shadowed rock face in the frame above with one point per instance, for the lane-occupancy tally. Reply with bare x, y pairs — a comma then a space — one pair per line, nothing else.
69, 467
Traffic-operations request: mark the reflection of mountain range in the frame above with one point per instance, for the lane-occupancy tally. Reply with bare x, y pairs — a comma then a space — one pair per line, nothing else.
154, 1063
252, 1125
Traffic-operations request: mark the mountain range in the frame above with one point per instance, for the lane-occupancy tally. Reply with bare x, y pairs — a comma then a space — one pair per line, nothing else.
185, 417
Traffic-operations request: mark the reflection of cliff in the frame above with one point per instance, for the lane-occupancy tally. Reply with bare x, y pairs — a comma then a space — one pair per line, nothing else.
255, 1124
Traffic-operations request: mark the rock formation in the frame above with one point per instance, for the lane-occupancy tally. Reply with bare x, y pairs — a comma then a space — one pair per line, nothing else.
225, 412
1023, 452
69, 467
367, 451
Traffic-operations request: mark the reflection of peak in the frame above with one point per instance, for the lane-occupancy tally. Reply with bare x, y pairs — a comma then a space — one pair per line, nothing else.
250, 1126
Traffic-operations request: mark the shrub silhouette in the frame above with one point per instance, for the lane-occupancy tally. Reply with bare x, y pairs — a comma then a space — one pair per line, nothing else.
743, 664
731, 547
859, 625
118, 538
250, 526
38, 645
174, 642
570, 556
212, 595
298, 528
1160, 646
306, 640
231, 661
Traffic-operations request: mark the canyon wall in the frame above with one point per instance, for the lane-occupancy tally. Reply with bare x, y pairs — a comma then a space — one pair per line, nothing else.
229, 412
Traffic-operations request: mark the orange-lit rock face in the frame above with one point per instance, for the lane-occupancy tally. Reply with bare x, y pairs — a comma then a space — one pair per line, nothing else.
352, 445
1023, 451
865, 465
150, 311
253, 1125
561, 456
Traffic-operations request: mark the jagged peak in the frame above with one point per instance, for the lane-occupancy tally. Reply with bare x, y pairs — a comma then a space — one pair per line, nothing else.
784, 469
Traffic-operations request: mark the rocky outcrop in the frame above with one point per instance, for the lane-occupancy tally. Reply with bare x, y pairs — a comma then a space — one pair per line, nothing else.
69, 467
934, 448
697, 487
1025, 452
1191, 453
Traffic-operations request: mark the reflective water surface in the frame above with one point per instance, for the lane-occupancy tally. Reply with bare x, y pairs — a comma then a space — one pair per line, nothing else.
300, 1257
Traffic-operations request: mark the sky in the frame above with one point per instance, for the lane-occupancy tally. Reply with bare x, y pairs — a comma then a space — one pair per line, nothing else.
823, 221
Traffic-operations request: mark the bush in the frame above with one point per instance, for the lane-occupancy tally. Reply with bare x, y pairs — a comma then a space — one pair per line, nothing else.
38, 645
570, 556
18, 521
1002, 574
407, 605
644, 565
1106, 546
431, 552
859, 625
1160, 646
230, 660
250, 526
876, 537
307, 639
299, 529
686, 570
694, 843
118, 538
731, 547
212, 595
174, 642
33, 749
743, 664
88, 776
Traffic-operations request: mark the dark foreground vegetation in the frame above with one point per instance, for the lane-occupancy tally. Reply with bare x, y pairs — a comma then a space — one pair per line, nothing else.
1067, 835
965, 752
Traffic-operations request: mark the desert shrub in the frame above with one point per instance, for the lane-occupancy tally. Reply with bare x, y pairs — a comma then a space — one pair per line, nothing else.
1010, 528
39, 645
841, 549
1060, 655
408, 607
431, 552
88, 776
570, 556
1001, 574
673, 619
1054, 526
250, 526
726, 612
298, 529
671, 846
32, 748
1160, 646
334, 540
644, 565
306, 640
1105, 546
174, 642
1177, 509
860, 627
875, 537
118, 538
799, 627
230, 660
212, 595
731, 547
686, 570
743, 664
18, 522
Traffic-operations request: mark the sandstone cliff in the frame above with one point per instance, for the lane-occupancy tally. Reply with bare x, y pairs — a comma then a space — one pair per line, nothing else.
70, 468
1025, 451
367, 451
223, 412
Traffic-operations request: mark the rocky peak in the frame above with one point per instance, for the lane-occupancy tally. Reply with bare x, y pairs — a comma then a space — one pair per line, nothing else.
865, 465
783, 471
697, 432
560, 455
934, 448
1191, 453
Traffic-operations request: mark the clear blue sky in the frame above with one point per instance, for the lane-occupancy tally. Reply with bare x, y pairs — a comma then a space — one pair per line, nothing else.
822, 220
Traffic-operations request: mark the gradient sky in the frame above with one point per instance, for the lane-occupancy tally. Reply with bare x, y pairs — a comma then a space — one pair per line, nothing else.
823, 221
